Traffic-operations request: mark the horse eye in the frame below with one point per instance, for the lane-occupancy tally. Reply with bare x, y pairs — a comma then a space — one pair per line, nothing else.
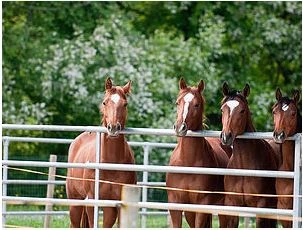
177, 103
103, 103
196, 105
242, 111
125, 104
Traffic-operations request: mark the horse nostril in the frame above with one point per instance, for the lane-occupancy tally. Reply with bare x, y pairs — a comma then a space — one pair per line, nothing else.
119, 127
180, 130
279, 137
226, 138
109, 126
282, 135
183, 126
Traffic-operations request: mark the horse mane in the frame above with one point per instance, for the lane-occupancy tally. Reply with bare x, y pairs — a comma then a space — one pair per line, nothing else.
299, 122
237, 94
283, 100
232, 95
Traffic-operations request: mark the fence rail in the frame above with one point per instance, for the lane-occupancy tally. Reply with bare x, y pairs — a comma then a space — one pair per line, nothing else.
214, 209
139, 131
296, 213
156, 169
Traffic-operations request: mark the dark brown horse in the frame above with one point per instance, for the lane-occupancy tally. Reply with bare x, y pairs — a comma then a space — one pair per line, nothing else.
287, 122
194, 152
247, 154
114, 149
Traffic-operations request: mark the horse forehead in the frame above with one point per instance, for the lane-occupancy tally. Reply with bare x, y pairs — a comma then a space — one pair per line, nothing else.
285, 107
232, 104
115, 98
188, 97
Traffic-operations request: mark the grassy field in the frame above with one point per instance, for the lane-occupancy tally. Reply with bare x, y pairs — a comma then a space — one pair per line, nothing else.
63, 220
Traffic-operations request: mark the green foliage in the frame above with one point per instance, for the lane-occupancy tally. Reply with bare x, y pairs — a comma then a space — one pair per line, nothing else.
56, 56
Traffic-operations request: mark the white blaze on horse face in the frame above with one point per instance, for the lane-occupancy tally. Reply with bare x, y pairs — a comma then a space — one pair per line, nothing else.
115, 98
285, 107
187, 98
232, 104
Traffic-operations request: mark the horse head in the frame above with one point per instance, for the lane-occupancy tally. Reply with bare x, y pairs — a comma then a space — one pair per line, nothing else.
286, 116
235, 113
114, 107
190, 107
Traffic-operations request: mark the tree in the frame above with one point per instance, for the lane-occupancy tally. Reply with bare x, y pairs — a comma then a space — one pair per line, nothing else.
56, 56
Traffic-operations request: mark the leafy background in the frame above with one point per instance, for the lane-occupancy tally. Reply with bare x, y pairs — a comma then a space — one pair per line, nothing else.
56, 56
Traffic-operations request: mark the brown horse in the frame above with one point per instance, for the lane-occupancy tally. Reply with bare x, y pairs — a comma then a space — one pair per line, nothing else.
247, 154
194, 152
114, 149
287, 122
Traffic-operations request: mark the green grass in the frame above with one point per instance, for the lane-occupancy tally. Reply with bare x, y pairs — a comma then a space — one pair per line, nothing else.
63, 220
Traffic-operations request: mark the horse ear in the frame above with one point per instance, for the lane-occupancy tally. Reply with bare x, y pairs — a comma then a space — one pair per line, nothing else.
108, 83
246, 90
201, 86
278, 94
296, 96
127, 87
182, 84
225, 89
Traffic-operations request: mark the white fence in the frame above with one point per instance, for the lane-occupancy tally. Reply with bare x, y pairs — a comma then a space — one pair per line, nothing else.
296, 213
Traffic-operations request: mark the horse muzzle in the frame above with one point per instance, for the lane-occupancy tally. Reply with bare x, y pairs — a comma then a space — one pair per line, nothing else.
226, 138
279, 138
180, 130
113, 130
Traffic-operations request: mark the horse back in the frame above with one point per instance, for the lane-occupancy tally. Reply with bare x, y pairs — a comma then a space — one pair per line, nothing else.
85, 141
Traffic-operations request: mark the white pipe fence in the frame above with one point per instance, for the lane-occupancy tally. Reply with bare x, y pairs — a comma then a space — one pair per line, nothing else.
147, 146
297, 174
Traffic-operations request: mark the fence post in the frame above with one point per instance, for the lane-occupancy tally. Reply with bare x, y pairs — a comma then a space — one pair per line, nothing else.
246, 221
50, 190
4, 186
297, 202
129, 211
144, 189
97, 177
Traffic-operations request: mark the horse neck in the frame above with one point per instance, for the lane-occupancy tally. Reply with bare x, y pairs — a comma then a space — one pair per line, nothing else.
288, 150
299, 123
249, 124
243, 143
192, 149
112, 148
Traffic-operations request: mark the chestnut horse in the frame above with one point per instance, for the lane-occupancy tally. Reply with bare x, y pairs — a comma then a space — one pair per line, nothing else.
287, 122
114, 149
247, 154
194, 152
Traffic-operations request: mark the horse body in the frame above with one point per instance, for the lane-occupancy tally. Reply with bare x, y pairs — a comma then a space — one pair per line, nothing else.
285, 186
194, 152
114, 149
251, 158
247, 154
287, 122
